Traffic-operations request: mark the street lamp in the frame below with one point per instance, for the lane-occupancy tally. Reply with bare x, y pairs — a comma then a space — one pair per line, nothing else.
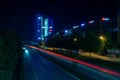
102, 38
39, 38
105, 19
74, 27
75, 39
90, 22
102, 24
39, 17
82, 24
103, 43
66, 31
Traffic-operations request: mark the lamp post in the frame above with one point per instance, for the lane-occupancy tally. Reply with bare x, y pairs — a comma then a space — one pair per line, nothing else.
102, 27
102, 38
75, 43
103, 41
75, 39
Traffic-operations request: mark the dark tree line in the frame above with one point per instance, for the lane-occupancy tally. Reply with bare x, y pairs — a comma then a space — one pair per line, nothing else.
86, 40
10, 52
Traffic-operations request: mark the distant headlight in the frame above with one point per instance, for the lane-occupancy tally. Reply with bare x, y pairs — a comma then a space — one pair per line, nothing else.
26, 51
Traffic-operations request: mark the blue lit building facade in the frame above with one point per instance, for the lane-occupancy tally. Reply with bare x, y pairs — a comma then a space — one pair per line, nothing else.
44, 27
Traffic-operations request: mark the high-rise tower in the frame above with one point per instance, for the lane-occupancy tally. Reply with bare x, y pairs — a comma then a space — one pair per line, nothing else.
44, 27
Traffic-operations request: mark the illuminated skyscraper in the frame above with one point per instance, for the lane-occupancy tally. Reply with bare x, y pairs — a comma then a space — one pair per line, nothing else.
44, 27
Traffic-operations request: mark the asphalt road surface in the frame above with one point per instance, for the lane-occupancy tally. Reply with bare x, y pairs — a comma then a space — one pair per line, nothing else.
44, 65
37, 67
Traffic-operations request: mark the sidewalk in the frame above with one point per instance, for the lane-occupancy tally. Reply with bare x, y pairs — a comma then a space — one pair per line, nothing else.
107, 58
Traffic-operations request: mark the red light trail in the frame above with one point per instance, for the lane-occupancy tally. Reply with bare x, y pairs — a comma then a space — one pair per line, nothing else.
80, 62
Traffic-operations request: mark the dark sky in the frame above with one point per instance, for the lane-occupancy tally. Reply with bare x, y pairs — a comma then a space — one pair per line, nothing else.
20, 15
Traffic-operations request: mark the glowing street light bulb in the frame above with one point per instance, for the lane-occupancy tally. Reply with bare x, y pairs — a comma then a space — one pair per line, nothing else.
75, 27
38, 30
39, 38
91, 22
105, 19
75, 39
66, 31
39, 17
50, 27
82, 24
101, 37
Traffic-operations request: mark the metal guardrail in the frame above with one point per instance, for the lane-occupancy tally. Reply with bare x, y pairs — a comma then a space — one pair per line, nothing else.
113, 51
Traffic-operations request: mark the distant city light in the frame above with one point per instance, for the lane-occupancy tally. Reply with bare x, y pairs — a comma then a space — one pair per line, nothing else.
39, 17
66, 31
50, 27
26, 52
39, 38
105, 19
75, 27
75, 39
91, 22
82, 24
38, 30
46, 24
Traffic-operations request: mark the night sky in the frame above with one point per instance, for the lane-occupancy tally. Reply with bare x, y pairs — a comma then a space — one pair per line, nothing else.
20, 16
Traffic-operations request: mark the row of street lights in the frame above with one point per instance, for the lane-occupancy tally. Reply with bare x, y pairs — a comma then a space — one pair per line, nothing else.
101, 37
90, 22
82, 25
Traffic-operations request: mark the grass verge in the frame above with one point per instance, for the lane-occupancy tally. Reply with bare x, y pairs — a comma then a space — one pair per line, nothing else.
103, 63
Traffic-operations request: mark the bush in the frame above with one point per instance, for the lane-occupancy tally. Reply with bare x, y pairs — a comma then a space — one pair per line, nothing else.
10, 51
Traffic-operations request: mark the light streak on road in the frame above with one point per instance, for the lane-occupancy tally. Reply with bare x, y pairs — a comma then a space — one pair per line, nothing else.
26, 51
80, 62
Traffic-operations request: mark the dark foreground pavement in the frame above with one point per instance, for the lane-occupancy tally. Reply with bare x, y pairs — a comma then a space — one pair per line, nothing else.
40, 64
37, 67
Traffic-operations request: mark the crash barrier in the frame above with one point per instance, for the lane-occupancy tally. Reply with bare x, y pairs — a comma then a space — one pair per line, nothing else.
115, 52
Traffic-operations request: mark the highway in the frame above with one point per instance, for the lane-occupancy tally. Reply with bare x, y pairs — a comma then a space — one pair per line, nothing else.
37, 67
44, 65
